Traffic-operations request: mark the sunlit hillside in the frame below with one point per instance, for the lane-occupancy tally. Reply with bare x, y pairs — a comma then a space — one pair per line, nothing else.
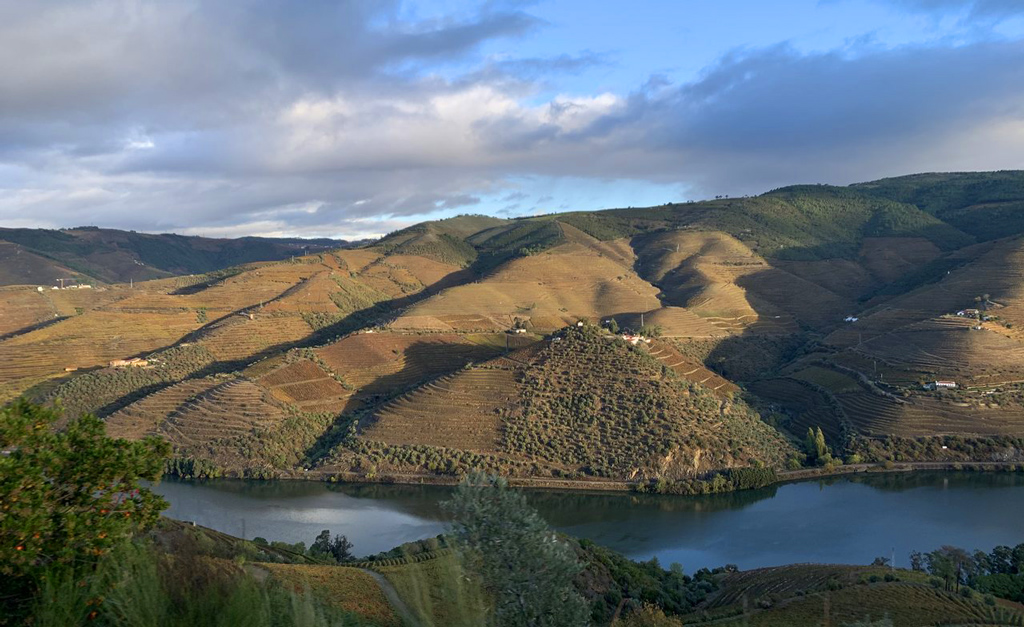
438, 347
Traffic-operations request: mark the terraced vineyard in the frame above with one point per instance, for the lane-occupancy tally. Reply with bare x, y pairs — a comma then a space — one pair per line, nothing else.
808, 408
312, 295
381, 363
689, 369
813, 594
833, 381
212, 423
785, 581
306, 386
21, 308
144, 417
85, 341
551, 290
910, 605
927, 416
460, 411
239, 338
752, 291
950, 349
871, 414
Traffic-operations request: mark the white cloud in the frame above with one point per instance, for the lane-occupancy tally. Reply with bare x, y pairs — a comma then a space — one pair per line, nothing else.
267, 118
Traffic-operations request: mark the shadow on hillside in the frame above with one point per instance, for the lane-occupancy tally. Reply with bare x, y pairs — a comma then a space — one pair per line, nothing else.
422, 366
368, 316
33, 327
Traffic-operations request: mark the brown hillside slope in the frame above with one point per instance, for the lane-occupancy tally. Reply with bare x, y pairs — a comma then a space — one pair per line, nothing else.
382, 363
719, 278
585, 404
19, 266
237, 318
917, 336
582, 278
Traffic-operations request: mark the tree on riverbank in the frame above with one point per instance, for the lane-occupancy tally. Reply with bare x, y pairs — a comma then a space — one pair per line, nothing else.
817, 448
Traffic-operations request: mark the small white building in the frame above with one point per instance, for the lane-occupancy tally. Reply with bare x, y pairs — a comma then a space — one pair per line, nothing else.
635, 339
851, 319
940, 385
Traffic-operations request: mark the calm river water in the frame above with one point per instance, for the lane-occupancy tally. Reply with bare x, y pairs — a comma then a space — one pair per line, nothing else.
844, 520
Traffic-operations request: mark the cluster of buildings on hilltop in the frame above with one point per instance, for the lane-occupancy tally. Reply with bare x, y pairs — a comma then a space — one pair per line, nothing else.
134, 362
84, 286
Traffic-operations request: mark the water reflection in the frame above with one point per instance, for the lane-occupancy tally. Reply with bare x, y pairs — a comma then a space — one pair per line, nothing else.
845, 519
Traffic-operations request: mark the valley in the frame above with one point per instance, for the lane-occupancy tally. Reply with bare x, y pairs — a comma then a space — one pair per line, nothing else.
505, 345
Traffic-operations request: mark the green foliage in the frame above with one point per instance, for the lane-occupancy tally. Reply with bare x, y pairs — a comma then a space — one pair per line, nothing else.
651, 330
750, 478
816, 448
527, 569
957, 448
192, 468
110, 389
603, 408
338, 549
424, 240
68, 497
985, 204
437, 590
610, 577
603, 225
525, 237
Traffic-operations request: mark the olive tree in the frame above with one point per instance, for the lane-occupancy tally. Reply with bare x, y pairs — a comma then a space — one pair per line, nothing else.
525, 568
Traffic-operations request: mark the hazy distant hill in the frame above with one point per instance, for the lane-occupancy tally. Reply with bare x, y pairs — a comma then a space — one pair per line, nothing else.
38, 256
443, 346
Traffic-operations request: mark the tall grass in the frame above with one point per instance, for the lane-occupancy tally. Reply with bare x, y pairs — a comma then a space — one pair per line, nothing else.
439, 592
137, 586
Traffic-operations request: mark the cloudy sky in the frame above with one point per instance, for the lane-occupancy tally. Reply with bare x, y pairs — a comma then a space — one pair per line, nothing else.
351, 118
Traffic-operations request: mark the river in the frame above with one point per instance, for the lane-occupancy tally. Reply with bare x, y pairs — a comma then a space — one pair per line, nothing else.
848, 520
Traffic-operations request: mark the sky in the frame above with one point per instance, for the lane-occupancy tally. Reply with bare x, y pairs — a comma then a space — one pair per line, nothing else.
352, 118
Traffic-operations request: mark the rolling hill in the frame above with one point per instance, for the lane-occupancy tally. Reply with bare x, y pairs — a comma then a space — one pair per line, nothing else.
90, 254
453, 344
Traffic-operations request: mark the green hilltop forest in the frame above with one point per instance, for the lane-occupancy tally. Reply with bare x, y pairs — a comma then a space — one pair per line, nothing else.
690, 347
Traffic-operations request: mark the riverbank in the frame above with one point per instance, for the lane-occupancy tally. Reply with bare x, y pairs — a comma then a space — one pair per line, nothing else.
611, 485
789, 476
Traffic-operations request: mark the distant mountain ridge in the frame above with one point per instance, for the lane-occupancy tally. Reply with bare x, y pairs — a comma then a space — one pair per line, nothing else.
91, 254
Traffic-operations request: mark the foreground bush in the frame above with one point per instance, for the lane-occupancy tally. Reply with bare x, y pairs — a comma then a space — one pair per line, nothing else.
66, 498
